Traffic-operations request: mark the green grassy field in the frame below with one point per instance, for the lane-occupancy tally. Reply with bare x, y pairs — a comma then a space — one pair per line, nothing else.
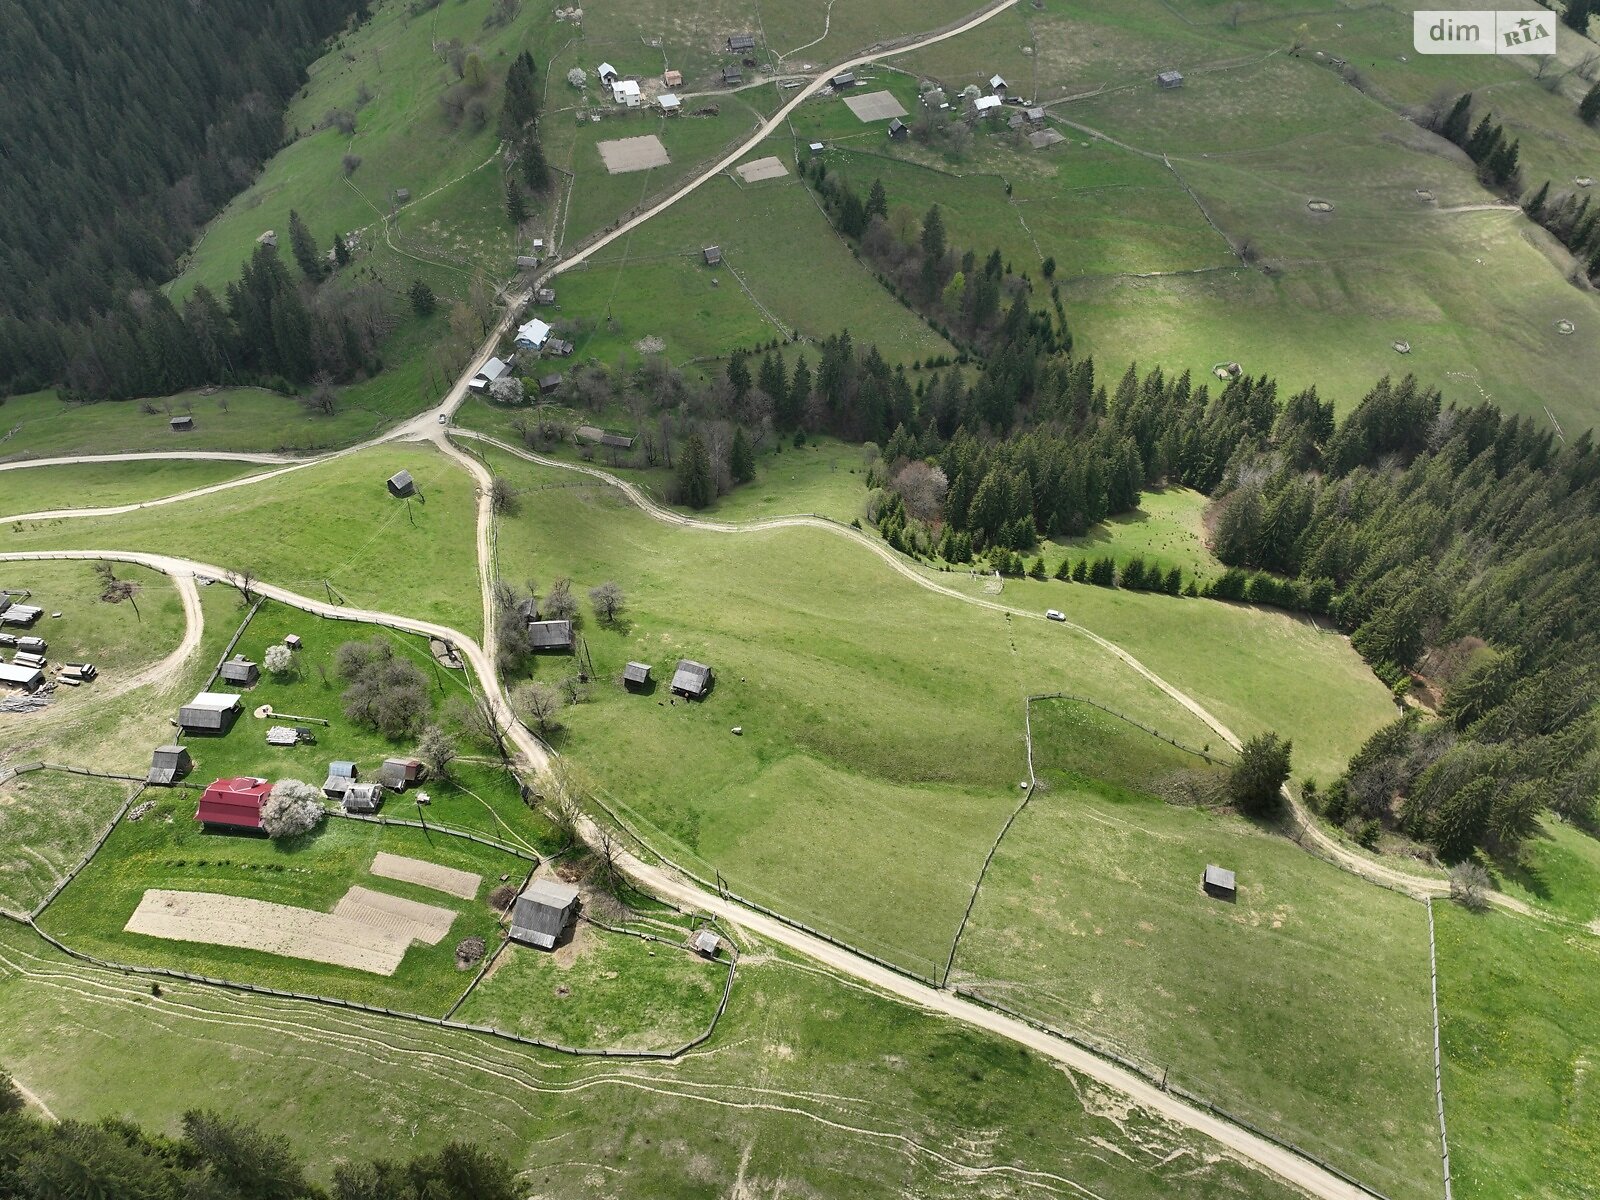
1255, 669
81, 728
1517, 1004
781, 262
1560, 871
825, 476
849, 740
1255, 133
332, 522
119, 637
1166, 530
1091, 917
167, 849
811, 1085
48, 821
97, 485
599, 991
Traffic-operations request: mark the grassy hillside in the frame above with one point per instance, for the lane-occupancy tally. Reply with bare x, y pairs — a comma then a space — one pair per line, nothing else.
856, 737
809, 1083
1091, 918
332, 523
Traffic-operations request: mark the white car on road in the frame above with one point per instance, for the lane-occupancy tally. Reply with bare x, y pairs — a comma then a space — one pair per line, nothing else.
1054, 614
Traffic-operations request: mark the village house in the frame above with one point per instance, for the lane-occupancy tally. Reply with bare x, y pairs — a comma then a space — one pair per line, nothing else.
691, 679
543, 912
209, 712
233, 804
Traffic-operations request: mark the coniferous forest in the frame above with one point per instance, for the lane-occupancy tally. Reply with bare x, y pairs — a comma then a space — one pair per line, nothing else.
124, 127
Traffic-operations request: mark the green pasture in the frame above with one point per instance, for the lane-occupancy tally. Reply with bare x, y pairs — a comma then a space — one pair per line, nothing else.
1303, 1007
1166, 529
167, 849
102, 484
779, 255
1517, 1002
825, 477
1559, 870
810, 1082
48, 821
333, 523
599, 990
1254, 669
857, 740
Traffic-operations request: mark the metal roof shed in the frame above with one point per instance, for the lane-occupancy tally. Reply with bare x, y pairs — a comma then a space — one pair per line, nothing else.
341, 774
691, 679
233, 803
705, 943
401, 484
168, 764
542, 912
26, 678
1219, 882
209, 712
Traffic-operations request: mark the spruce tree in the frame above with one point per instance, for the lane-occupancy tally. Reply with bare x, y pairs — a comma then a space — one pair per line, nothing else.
933, 250
1534, 207
341, 252
791, 410
1502, 163
739, 374
695, 487
1577, 14
535, 171
516, 205
1456, 122
741, 461
423, 301
305, 248
1589, 106
878, 201
1484, 141
771, 379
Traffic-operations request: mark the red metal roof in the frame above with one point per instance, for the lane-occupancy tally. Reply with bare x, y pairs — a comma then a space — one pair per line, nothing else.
234, 802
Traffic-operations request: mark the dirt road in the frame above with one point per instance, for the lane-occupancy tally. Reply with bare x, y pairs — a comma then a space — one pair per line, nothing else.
1247, 1146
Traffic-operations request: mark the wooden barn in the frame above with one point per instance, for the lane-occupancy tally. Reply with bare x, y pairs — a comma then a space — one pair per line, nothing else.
209, 712
691, 679
240, 671
168, 764
542, 913
341, 774
233, 804
550, 635
397, 774
401, 484
636, 675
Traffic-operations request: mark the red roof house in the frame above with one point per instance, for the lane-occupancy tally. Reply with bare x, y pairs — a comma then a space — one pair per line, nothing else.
233, 803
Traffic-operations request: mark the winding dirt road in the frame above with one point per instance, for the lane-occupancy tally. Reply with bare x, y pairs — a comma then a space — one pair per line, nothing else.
668, 884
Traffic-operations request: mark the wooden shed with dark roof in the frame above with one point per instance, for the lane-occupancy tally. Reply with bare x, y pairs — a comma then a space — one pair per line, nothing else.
542, 913
550, 635
168, 764
1219, 882
240, 671
401, 484
691, 679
